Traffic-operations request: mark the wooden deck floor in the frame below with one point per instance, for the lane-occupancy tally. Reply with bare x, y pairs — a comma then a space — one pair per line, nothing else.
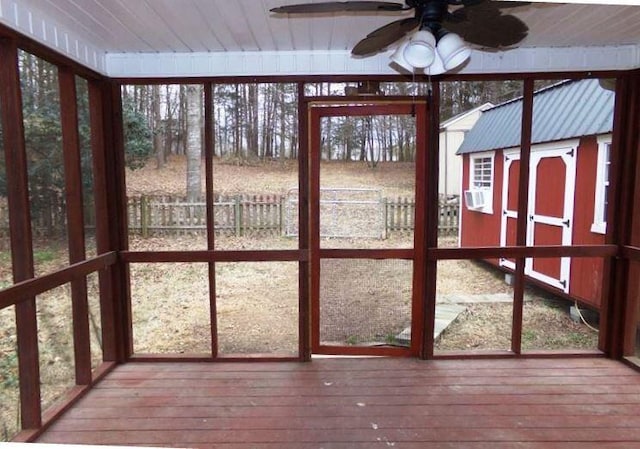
362, 403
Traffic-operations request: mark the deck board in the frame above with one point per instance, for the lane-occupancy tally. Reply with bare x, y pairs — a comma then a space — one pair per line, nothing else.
356, 403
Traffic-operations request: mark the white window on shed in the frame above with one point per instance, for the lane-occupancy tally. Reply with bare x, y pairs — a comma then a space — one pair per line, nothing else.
482, 172
602, 185
479, 196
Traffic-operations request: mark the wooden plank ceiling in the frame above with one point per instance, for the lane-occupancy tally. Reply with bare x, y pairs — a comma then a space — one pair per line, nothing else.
92, 31
122, 26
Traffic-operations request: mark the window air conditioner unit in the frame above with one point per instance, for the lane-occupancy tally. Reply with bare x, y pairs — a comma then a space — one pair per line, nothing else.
474, 199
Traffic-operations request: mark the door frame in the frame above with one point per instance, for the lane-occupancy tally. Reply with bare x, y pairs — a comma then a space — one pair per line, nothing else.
316, 109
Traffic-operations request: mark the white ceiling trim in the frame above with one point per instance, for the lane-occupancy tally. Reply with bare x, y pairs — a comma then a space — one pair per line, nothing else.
521, 60
33, 24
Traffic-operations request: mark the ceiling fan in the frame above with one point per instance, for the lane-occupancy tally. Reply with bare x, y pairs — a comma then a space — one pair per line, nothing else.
478, 22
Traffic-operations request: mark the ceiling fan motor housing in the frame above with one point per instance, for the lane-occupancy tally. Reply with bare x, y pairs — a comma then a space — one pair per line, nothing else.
431, 15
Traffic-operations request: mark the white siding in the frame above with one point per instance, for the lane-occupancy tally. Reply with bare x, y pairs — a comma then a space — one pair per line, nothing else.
451, 138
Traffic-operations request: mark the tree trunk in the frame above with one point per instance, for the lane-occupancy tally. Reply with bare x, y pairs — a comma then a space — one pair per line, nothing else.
282, 110
236, 128
157, 126
168, 128
251, 120
362, 133
194, 142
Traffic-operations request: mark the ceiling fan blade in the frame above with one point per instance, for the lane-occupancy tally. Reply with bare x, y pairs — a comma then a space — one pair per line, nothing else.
383, 37
328, 7
370, 45
397, 28
457, 16
489, 28
499, 4
505, 4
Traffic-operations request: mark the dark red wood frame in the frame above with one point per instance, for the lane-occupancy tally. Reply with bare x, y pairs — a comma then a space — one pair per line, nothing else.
326, 107
620, 313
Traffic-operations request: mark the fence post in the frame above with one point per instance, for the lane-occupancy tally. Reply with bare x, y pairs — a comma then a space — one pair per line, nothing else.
237, 213
281, 214
255, 222
144, 225
385, 216
405, 214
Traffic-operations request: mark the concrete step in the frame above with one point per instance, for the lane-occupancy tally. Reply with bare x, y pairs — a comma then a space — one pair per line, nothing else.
445, 315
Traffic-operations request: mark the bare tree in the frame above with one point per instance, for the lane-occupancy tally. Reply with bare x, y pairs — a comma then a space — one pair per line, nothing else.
158, 147
251, 119
194, 141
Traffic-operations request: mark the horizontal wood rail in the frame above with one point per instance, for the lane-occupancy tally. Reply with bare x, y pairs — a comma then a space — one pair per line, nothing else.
32, 287
376, 351
537, 354
206, 358
523, 251
432, 254
631, 253
292, 255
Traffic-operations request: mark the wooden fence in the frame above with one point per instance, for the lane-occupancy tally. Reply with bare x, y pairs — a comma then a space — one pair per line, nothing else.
238, 215
400, 215
243, 215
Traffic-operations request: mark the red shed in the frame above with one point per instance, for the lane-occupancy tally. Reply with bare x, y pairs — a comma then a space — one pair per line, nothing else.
569, 171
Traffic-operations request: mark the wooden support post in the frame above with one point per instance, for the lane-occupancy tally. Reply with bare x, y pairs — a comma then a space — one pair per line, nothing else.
619, 310
304, 288
103, 236
427, 266
631, 314
75, 222
117, 216
209, 136
523, 204
20, 228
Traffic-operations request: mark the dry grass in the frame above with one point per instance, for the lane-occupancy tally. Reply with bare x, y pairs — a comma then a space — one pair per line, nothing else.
271, 177
362, 302
9, 393
546, 326
257, 308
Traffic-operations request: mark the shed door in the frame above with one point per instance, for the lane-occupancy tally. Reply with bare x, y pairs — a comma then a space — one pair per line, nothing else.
551, 197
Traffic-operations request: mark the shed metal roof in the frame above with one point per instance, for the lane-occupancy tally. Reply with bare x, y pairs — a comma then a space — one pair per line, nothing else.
563, 111
456, 118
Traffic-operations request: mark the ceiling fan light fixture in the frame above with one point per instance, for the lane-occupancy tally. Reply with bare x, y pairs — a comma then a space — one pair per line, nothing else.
437, 67
453, 50
397, 57
420, 50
